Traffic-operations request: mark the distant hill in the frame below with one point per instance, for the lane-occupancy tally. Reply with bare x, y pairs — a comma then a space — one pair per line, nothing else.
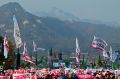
58, 13
50, 32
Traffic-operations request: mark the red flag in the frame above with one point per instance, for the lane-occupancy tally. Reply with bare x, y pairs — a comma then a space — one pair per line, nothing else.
25, 55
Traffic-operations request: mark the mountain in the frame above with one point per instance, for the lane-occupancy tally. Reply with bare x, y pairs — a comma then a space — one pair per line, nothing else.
51, 32
65, 16
58, 13
109, 23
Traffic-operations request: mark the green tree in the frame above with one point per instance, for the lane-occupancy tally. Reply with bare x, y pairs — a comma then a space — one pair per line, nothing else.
99, 62
44, 59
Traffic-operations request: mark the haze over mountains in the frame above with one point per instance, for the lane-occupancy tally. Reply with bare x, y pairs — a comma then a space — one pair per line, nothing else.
51, 32
65, 16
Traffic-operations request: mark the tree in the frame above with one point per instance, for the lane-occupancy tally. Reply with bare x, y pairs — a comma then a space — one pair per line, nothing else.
9, 62
99, 62
1, 49
42, 61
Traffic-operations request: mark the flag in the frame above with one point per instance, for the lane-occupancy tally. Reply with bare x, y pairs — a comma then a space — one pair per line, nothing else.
105, 54
99, 43
6, 46
77, 51
17, 37
110, 52
114, 56
25, 55
34, 47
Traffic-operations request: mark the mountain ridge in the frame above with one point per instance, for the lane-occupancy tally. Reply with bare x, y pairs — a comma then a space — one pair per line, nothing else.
49, 32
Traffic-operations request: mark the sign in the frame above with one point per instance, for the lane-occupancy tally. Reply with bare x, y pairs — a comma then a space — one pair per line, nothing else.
1, 67
57, 64
22, 76
84, 76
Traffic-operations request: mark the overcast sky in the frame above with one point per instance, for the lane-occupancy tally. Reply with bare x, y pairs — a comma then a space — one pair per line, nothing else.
104, 10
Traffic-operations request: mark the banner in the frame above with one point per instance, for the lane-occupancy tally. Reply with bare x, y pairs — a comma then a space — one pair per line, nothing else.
57, 64
22, 76
84, 76
4, 77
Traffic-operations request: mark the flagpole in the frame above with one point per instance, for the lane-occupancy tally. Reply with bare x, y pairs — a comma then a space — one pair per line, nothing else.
36, 59
60, 59
83, 62
18, 59
18, 40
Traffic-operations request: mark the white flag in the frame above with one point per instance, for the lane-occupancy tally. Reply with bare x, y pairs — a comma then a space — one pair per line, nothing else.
17, 37
6, 47
77, 51
34, 47
105, 54
110, 52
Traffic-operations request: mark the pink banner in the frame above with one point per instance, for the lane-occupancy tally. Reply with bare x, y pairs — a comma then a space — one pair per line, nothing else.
22, 76
4, 77
84, 76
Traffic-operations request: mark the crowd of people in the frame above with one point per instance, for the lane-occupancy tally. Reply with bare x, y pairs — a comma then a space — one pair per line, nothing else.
65, 73
81, 74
